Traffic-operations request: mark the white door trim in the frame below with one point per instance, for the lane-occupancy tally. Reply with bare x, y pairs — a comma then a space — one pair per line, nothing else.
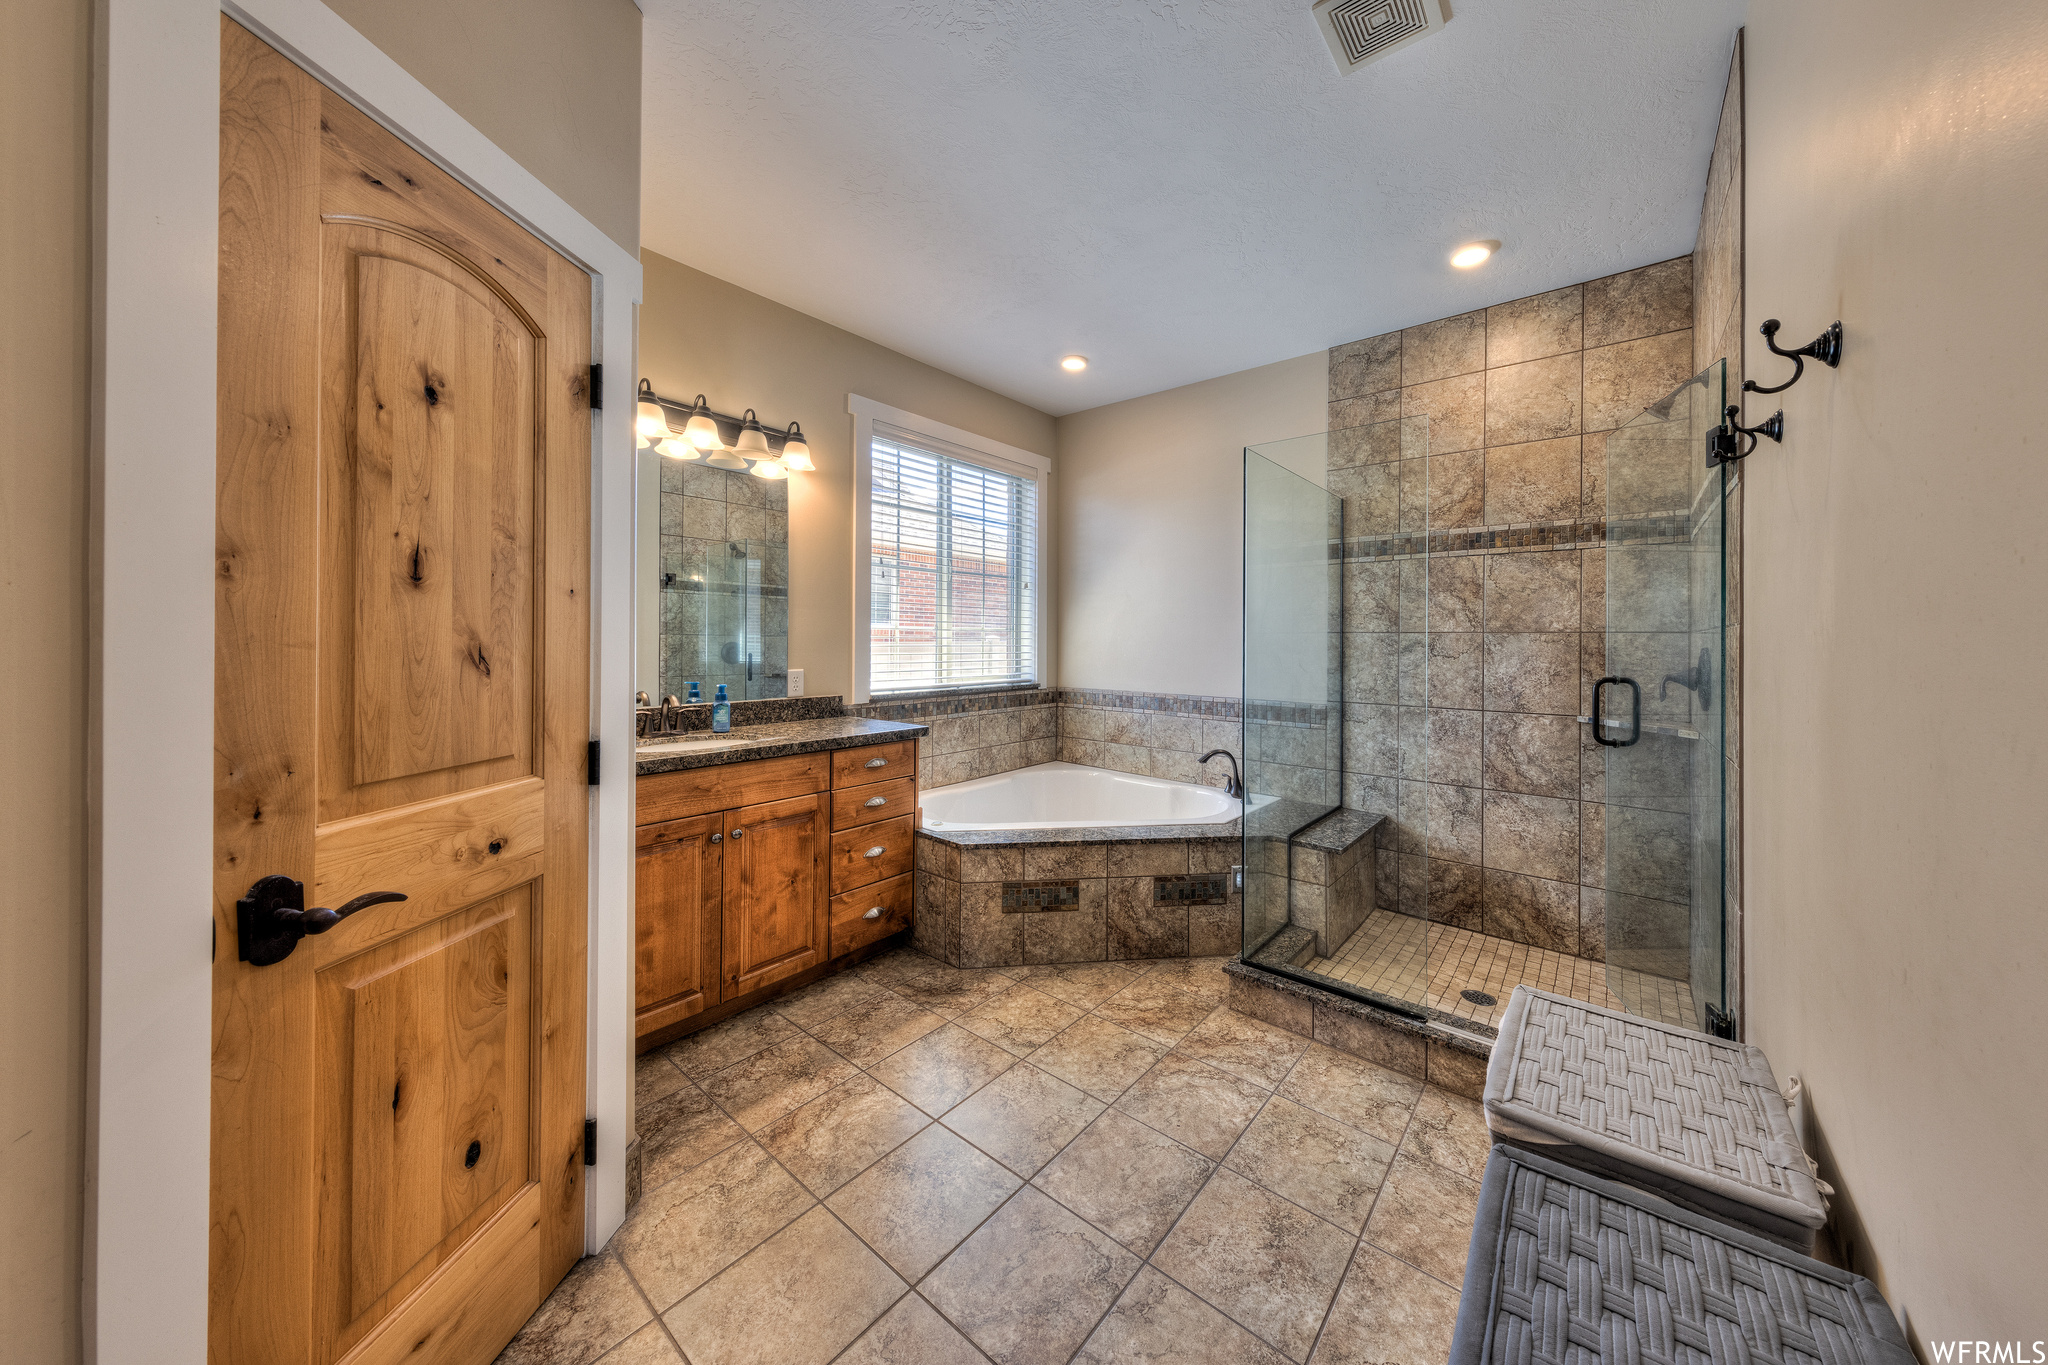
149, 746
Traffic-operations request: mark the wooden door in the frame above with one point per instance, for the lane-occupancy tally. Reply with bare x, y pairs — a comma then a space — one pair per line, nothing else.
402, 703
678, 914
776, 900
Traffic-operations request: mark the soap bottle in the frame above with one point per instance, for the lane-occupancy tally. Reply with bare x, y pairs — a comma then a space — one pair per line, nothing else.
695, 698
721, 712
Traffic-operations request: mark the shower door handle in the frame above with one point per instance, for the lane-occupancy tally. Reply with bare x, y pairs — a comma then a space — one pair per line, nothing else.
1635, 719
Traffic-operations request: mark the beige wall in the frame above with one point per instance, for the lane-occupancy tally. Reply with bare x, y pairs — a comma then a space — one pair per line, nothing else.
1150, 515
556, 86
45, 252
1896, 629
699, 334
573, 121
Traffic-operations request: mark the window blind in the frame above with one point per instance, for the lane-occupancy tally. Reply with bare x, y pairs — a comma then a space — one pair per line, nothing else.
953, 576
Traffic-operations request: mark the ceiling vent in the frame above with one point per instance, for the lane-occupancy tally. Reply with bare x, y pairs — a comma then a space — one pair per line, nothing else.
1362, 31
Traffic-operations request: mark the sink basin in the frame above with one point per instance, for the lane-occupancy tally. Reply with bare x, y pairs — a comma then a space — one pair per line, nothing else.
700, 742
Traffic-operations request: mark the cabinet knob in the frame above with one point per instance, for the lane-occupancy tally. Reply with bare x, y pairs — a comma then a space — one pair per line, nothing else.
875, 913
875, 852
878, 763
717, 838
874, 801
737, 833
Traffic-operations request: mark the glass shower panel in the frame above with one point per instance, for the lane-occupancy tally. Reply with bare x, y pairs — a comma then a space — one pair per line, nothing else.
1291, 706
1657, 710
726, 621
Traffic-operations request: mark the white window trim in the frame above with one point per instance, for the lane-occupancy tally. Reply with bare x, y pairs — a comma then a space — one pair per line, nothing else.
156, 219
961, 445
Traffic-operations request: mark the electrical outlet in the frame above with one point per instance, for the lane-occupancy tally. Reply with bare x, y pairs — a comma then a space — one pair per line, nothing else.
796, 682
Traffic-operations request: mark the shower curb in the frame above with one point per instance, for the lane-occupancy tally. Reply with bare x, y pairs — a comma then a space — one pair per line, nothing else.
1447, 1058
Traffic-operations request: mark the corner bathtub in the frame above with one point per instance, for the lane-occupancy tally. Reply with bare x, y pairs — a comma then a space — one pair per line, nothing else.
1071, 796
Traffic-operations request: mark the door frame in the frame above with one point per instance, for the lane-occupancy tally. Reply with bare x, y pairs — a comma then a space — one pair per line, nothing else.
150, 570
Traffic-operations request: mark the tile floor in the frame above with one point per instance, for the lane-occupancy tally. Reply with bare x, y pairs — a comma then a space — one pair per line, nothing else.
1411, 959
918, 1165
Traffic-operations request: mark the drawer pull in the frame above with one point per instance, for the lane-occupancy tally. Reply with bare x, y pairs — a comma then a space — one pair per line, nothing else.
875, 852
874, 801
875, 913
878, 763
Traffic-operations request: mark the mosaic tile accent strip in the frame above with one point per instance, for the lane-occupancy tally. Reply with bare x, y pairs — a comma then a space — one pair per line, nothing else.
1064, 895
1207, 889
1672, 528
928, 705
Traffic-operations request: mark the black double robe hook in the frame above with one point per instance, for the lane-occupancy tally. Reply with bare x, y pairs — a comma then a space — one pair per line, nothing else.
1826, 348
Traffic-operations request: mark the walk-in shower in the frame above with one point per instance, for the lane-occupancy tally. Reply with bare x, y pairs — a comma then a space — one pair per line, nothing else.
1488, 754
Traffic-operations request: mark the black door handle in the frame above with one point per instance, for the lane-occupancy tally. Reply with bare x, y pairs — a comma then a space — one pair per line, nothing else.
272, 918
1635, 720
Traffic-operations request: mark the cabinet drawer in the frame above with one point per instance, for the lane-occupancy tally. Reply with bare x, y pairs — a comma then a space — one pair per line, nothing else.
888, 902
876, 801
855, 861
874, 763
725, 786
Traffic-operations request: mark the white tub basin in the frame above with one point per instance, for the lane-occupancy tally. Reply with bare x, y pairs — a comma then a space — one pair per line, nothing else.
1066, 795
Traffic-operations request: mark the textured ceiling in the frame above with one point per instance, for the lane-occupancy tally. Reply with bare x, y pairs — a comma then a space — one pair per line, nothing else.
1175, 188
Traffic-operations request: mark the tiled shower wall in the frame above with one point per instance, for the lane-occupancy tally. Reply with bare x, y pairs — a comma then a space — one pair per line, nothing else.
703, 510
1519, 400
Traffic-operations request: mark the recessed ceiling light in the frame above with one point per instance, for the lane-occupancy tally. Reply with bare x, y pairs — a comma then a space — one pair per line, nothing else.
1074, 364
1473, 254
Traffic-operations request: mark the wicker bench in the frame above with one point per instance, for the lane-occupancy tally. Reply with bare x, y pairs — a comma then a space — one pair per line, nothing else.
1569, 1269
1696, 1119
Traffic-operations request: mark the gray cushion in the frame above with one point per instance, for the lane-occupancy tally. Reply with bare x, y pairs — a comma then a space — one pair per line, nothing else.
1697, 1118
1566, 1268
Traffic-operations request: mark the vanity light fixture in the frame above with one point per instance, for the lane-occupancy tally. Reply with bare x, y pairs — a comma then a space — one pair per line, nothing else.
1074, 364
722, 441
1474, 254
796, 452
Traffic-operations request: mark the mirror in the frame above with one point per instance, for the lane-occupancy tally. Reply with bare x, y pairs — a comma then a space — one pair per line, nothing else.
721, 583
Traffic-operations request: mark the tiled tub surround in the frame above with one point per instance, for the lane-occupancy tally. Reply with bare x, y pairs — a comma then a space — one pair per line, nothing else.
704, 512
1116, 912
915, 1165
977, 734
1465, 672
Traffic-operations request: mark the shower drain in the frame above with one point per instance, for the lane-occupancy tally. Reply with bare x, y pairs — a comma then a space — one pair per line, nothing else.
1478, 997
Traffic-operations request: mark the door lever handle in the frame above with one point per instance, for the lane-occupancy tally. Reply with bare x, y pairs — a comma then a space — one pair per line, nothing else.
272, 918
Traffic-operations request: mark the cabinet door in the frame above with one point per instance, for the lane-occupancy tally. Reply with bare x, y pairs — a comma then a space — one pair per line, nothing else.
679, 914
776, 900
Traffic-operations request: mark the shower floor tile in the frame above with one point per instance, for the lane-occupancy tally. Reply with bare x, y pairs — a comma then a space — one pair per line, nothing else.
1433, 964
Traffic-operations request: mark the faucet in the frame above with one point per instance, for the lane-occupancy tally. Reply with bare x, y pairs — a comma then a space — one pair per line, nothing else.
670, 710
643, 711
1234, 787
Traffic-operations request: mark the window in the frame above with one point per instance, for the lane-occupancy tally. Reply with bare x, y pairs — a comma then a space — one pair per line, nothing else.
950, 537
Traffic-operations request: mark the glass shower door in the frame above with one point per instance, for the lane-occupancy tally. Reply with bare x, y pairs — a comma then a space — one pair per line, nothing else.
1656, 712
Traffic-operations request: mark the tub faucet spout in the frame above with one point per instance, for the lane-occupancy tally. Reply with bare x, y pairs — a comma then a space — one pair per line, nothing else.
1235, 786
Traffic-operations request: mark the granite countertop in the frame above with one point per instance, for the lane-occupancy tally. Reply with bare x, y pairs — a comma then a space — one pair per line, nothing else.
782, 739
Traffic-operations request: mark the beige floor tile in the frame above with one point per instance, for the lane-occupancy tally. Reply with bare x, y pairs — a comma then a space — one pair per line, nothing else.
900, 966
799, 1299
1193, 1103
1368, 1097
1387, 1313
682, 1234
1268, 1264
1328, 1168
827, 999
654, 1075
648, 1346
1424, 1217
738, 1038
593, 1309
942, 1068
952, 991
1020, 1020
1031, 1283
771, 1083
912, 1333
1451, 1131
1100, 1057
1083, 985
867, 1033
1158, 1321
1129, 1180
836, 1136
1245, 1047
678, 1131
1198, 976
1156, 1008
1023, 1117
916, 1204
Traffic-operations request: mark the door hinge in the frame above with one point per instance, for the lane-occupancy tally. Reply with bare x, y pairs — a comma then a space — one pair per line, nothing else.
597, 388
590, 1142
592, 763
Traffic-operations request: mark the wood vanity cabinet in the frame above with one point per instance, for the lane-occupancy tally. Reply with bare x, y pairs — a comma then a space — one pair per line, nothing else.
754, 872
